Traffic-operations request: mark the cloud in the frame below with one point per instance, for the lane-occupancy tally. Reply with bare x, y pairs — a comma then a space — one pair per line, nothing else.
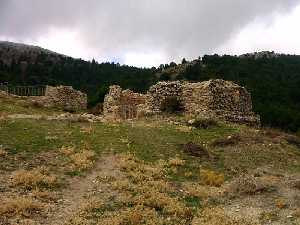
125, 29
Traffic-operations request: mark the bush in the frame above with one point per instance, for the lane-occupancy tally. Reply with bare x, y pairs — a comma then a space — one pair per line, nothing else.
203, 123
171, 105
211, 178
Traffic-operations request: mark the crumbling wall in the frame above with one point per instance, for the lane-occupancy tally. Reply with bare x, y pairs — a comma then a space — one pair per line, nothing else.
64, 97
122, 104
219, 99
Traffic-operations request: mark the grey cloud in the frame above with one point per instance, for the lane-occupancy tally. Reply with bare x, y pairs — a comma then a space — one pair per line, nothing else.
177, 27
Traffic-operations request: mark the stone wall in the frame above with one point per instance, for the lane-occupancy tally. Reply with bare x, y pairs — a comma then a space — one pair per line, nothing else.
219, 99
64, 97
159, 92
122, 104
213, 99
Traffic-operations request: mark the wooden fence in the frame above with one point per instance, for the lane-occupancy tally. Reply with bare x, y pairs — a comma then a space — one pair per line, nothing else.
24, 90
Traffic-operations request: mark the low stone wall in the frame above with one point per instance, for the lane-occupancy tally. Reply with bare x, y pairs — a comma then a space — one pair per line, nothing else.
64, 97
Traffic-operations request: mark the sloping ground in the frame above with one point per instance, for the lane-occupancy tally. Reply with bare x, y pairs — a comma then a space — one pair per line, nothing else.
10, 104
72, 172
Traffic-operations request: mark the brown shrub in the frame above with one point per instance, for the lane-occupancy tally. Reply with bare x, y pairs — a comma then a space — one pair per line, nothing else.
33, 178
19, 206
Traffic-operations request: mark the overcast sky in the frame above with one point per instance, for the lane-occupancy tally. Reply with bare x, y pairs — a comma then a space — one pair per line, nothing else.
151, 32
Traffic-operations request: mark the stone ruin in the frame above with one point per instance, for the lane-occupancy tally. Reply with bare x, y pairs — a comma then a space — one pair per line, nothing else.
63, 97
122, 104
217, 98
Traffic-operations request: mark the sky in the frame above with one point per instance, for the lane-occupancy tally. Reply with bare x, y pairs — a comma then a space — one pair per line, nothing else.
147, 33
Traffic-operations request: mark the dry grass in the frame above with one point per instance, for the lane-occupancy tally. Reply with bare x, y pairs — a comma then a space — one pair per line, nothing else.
281, 203
67, 150
20, 206
36, 178
247, 184
79, 160
87, 129
3, 153
196, 190
44, 195
148, 194
82, 160
217, 216
134, 216
211, 178
176, 162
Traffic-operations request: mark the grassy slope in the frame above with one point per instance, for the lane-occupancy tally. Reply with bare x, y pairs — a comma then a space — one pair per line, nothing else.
33, 143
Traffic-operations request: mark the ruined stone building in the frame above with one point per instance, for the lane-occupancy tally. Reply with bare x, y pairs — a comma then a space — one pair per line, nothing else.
64, 97
220, 99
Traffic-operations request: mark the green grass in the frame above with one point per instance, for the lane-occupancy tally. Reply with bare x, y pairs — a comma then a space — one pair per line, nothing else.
11, 105
31, 137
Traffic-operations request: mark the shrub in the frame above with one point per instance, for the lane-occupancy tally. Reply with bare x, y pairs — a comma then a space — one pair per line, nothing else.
203, 123
211, 178
33, 179
227, 141
171, 105
196, 150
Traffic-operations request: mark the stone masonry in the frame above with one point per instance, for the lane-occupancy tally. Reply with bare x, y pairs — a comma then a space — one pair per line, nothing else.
219, 99
64, 97
122, 104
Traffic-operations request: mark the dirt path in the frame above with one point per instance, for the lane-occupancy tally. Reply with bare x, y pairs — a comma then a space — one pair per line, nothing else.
79, 188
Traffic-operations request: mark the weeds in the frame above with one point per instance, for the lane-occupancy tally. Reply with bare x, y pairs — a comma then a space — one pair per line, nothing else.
211, 178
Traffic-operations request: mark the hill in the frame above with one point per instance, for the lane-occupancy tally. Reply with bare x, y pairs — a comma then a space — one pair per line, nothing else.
273, 79
153, 171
